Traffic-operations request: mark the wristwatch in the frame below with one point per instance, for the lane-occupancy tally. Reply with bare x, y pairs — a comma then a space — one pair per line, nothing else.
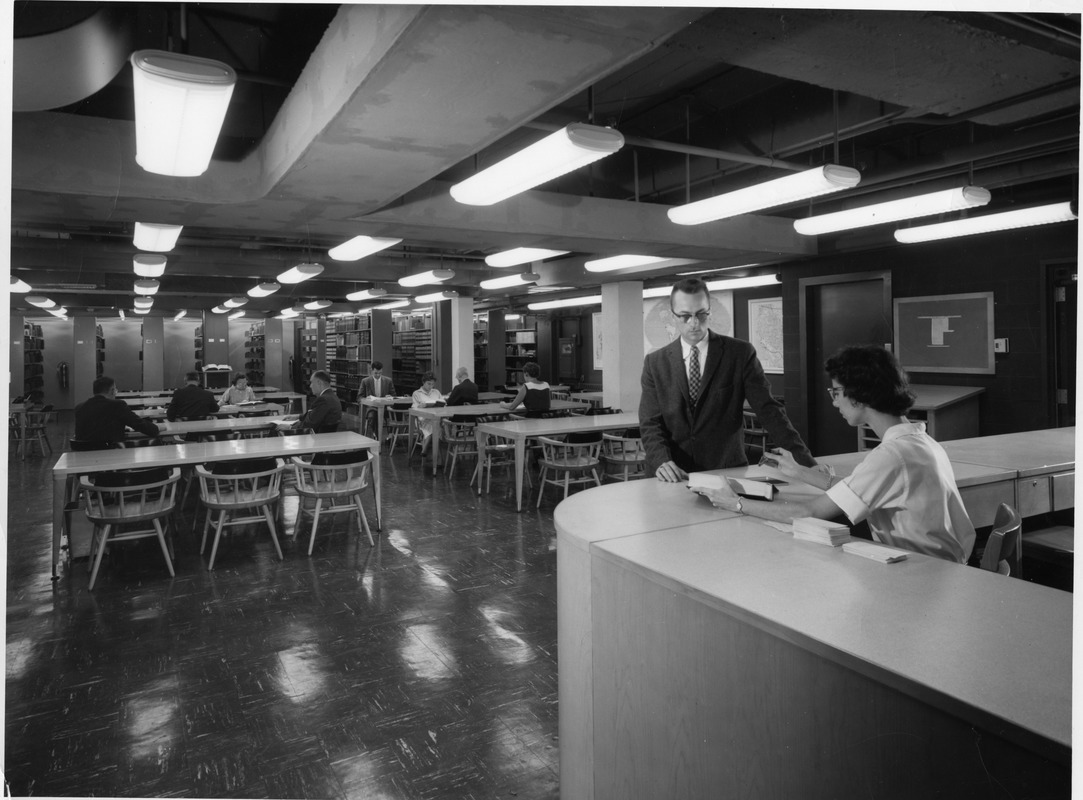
738, 509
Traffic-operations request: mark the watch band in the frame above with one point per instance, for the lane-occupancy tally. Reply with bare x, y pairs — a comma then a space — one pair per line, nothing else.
739, 509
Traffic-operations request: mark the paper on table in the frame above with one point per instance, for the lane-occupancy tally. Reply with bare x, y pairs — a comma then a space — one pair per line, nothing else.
877, 552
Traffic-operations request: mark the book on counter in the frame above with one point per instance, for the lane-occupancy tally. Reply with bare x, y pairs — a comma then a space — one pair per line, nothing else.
821, 531
877, 552
752, 488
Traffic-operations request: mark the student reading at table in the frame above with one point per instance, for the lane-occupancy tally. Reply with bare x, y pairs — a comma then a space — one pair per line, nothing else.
375, 384
533, 394
905, 487
326, 412
465, 391
238, 392
426, 397
191, 401
103, 418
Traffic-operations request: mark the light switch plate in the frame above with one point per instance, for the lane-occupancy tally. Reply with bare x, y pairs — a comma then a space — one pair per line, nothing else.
1000, 345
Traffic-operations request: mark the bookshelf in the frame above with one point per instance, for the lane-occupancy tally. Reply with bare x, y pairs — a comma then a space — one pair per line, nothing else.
349, 354
254, 353
310, 350
411, 350
99, 351
198, 343
33, 360
520, 346
481, 352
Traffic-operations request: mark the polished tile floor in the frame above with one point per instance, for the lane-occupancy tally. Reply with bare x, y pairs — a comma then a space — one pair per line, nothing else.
422, 668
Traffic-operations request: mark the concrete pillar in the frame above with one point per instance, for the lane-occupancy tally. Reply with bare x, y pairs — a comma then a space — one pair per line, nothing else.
462, 338
622, 344
153, 353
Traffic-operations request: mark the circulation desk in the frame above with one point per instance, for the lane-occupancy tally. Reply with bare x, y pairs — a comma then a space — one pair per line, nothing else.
704, 654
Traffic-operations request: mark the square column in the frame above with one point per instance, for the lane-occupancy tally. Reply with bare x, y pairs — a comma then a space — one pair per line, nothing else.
622, 344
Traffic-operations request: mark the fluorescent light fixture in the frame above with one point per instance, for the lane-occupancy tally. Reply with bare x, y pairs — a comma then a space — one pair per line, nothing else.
987, 223
140, 310
149, 266
263, 289
143, 302
340, 314
59, 312
718, 269
301, 272
569, 148
423, 278
623, 262
299, 307
156, 238
180, 104
360, 246
235, 302
394, 304
513, 316
237, 314
219, 310
289, 313
179, 315
522, 255
657, 291
146, 286
40, 302
366, 294
743, 283
19, 286
507, 281
436, 297
120, 311
923, 205
567, 302
800, 186
317, 305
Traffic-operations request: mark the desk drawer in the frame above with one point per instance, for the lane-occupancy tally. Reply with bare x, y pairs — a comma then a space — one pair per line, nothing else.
1034, 495
1063, 491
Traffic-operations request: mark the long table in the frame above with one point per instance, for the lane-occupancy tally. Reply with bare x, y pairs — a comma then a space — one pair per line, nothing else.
175, 455
380, 404
159, 412
522, 429
706, 654
217, 425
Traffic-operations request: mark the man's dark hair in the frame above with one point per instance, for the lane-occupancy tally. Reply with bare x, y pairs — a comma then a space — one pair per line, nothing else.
428, 376
191, 376
103, 384
322, 375
690, 286
377, 364
871, 375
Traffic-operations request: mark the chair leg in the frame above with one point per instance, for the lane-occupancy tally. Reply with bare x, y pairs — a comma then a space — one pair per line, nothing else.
98, 556
274, 534
206, 525
315, 522
165, 547
217, 536
364, 519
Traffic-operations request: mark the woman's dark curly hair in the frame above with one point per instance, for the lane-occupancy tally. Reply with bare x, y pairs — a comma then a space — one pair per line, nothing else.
870, 374
532, 370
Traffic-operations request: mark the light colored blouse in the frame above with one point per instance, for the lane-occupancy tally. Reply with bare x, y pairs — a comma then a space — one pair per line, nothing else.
232, 396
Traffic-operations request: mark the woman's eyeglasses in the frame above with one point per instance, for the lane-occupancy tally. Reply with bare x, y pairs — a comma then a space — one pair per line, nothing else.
834, 391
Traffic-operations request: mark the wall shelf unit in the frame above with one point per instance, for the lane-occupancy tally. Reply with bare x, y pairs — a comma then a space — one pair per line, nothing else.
520, 346
33, 358
481, 352
411, 350
349, 354
255, 364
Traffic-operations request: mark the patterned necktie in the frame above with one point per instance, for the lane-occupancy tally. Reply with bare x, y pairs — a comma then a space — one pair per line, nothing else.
693, 375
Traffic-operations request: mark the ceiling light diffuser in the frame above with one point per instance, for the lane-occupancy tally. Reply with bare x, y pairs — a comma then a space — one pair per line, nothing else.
19, 286
59, 312
436, 297
40, 302
366, 294
179, 315
156, 238
800, 186
180, 104
120, 313
317, 305
569, 148
394, 304
146, 286
423, 278
622, 262
264, 289
507, 281
219, 310
360, 246
522, 255
149, 266
987, 223
924, 205
567, 302
143, 302
743, 283
235, 302
289, 312
141, 310
237, 314
301, 272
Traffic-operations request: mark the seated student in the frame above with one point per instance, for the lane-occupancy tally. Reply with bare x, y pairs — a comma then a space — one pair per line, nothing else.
533, 394
103, 418
191, 400
905, 487
325, 414
375, 384
465, 391
238, 392
426, 397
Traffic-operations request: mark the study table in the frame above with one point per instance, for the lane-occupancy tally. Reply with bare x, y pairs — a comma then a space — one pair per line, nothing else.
705, 654
288, 397
436, 413
216, 425
594, 398
380, 404
949, 412
255, 409
175, 455
519, 430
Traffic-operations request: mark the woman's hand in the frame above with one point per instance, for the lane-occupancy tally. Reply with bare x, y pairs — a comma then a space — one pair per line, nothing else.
783, 461
722, 497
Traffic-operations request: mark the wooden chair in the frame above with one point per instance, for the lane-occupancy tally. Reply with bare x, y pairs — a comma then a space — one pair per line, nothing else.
115, 500
568, 463
1004, 550
231, 487
755, 437
623, 455
331, 477
33, 430
499, 452
460, 436
397, 423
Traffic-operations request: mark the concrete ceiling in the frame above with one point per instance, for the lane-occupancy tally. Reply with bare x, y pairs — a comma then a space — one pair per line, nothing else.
392, 104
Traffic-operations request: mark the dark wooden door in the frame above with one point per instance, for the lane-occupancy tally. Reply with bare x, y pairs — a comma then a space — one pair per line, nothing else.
837, 311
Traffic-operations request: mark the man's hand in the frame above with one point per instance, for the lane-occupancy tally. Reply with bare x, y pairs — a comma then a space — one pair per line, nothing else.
671, 473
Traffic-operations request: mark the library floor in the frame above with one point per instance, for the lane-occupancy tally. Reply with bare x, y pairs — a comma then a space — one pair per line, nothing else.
422, 668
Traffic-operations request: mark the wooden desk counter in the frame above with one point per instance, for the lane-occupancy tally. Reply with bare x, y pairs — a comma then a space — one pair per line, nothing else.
723, 658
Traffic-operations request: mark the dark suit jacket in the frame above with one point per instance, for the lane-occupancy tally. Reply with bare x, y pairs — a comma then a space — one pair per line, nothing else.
709, 436
325, 414
101, 419
191, 401
368, 387
463, 393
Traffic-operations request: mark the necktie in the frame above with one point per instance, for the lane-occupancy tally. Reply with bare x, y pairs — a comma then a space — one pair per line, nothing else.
693, 375
379, 387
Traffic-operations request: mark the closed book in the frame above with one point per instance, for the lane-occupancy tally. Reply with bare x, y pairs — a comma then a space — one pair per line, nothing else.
746, 487
874, 551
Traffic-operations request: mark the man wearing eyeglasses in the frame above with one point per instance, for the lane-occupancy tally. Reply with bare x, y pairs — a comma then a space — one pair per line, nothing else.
691, 411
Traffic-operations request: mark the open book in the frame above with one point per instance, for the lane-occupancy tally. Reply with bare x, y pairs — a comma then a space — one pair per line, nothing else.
752, 488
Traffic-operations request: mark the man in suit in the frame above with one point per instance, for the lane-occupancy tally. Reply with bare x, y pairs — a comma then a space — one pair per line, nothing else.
103, 417
325, 414
691, 410
465, 391
375, 384
191, 400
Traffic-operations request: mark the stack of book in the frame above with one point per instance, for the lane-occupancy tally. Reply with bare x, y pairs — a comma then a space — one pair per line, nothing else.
811, 529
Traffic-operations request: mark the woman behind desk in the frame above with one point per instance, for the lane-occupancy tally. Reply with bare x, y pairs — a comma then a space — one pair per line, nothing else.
426, 397
905, 487
533, 394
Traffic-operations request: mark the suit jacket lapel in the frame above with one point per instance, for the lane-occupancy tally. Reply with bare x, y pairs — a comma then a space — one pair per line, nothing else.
714, 358
675, 358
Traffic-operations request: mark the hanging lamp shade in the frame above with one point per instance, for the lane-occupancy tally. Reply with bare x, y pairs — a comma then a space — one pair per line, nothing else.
522, 255
317, 305
180, 104
156, 238
235, 302
143, 302
19, 286
146, 286
147, 266
508, 281
301, 272
264, 289
40, 302
360, 246
431, 276
366, 294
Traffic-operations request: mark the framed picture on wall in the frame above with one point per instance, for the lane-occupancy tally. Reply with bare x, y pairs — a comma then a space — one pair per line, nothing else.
765, 332
945, 333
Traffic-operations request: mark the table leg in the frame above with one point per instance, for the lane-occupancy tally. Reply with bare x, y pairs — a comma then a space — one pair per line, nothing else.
483, 441
377, 488
435, 444
60, 499
411, 429
380, 425
520, 461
